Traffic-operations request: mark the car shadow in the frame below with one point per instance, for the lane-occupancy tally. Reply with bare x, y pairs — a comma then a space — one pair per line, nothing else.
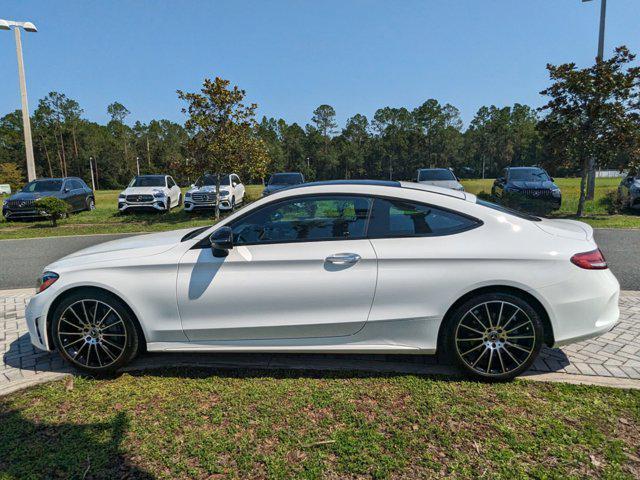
64, 450
204, 271
21, 355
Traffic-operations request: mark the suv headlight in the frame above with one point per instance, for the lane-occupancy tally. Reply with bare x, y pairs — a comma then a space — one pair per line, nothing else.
46, 280
122, 196
5, 201
556, 192
224, 193
159, 195
187, 195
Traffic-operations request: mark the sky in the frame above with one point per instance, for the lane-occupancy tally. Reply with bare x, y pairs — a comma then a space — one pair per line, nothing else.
291, 56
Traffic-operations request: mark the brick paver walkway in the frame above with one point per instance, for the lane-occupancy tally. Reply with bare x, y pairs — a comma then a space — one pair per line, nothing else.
612, 359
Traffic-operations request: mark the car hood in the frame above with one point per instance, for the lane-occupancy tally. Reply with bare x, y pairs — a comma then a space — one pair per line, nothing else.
566, 229
130, 247
32, 196
547, 184
143, 190
209, 189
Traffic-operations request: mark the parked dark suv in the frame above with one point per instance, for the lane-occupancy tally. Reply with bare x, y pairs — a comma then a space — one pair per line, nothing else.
278, 181
72, 190
527, 186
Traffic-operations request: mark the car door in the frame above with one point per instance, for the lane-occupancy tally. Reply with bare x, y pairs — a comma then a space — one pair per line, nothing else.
69, 195
418, 247
238, 188
174, 191
300, 268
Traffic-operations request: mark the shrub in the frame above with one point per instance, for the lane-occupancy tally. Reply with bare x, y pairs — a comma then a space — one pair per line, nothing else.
613, 203
52, 207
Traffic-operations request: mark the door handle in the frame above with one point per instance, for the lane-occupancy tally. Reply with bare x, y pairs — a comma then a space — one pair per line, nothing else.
343, 258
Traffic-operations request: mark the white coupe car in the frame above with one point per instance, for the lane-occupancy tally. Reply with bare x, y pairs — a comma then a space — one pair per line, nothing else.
363, 267
150, 192
202, 194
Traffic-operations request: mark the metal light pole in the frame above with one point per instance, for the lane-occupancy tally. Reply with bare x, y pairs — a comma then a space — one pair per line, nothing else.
93, 182
591, 177
26, 122
138, 165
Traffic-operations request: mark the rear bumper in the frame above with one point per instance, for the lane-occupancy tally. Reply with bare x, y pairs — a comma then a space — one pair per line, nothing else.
584, 306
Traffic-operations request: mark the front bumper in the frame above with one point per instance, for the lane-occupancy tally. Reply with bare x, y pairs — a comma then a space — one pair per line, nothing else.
156, 204
190, 205
36, 317
11, 214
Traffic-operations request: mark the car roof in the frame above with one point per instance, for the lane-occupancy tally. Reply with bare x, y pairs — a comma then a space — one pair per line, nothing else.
385, 183
525, 168
438, 168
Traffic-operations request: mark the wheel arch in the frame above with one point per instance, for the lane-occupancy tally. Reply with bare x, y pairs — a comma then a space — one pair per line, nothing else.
142, 342
528, 296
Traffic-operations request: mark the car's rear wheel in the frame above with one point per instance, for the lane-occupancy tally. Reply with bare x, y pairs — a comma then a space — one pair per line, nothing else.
91, 204
495, 336
94, 332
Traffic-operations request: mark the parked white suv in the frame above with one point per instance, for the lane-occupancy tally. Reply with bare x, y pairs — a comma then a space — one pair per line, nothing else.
202, 194
150, 192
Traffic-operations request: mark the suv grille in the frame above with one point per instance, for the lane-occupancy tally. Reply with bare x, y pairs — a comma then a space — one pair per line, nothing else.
536, 193
21, 203
203, 197
139, 198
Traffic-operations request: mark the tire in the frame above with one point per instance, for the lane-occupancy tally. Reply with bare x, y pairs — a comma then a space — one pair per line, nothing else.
494, 336
91, 204
179, 201
93, 331
233, 204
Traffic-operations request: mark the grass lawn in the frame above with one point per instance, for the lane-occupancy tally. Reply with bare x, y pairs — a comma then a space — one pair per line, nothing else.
106, 219
185, 423
595, 212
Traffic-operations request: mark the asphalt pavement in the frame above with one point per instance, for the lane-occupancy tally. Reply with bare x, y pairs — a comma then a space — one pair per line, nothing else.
22, 261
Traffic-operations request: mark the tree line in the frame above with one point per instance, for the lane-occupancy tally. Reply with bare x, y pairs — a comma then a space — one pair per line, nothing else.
592, 116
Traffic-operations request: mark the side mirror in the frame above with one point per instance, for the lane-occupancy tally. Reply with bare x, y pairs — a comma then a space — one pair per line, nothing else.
221, 241
65, 190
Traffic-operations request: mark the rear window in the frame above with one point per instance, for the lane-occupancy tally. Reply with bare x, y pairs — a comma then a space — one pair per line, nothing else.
510, 211
401, 218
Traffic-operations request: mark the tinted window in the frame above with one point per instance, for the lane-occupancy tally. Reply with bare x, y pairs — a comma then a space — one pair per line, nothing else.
400, 218
75, 185
528, 175
435, 174
510, 211
170, 182
285, 179
43, 186
148, 181
211, 180
305, 219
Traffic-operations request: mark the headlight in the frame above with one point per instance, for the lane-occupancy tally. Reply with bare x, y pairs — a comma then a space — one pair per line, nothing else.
47, 279
224, 193
159, 195
556, 192
187, 195
121, 196
634, 188
5, 201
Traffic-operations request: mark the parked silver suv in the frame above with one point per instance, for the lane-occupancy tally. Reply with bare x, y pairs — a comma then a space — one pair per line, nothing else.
629, 191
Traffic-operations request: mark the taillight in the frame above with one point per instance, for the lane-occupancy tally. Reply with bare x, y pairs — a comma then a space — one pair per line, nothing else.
593, 260
47, 279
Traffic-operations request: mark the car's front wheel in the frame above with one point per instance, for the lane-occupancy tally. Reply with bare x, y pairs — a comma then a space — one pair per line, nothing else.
93, 331
495, 336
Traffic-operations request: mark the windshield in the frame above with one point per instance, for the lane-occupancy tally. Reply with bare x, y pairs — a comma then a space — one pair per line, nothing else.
43, 186
148, 181
436, 174
510, 211
211, 180
285, 179
528, 175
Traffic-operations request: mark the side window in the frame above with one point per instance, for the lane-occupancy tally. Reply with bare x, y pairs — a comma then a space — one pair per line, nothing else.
236, 179
170, 182
400, 218
305, 219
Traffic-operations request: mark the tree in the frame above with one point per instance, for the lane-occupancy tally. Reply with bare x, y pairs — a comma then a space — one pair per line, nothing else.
53, 208
593, 113
11, 174
222, 133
